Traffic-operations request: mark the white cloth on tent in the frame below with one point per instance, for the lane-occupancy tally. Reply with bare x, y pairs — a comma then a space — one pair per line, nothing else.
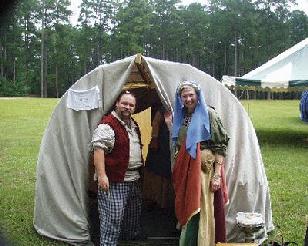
84, 99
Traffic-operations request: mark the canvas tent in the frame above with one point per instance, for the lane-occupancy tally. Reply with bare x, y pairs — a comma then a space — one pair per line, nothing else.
287, 70
62, 168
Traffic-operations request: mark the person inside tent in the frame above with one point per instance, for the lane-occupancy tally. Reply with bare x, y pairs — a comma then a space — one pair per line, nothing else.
200, 142
157, 181
118, 160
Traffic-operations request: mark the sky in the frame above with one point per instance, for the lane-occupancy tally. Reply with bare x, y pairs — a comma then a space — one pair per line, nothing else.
302, 5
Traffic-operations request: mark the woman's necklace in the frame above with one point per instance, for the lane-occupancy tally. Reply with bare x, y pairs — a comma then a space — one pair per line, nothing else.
187, 119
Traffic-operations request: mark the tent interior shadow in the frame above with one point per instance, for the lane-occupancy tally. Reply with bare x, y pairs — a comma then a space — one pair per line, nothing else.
158, 225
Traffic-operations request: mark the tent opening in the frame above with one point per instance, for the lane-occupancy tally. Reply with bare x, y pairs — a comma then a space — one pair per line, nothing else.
158, 220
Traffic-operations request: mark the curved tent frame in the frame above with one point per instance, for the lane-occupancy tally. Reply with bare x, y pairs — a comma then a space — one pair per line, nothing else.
62, 167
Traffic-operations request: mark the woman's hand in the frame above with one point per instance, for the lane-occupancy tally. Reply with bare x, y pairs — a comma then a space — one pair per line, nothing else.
103, 182
215, 183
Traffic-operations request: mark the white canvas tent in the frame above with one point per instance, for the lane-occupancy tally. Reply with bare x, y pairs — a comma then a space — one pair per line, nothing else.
62, 168
288, 69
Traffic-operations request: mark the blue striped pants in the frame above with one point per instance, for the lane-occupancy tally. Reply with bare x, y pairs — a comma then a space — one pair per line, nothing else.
119, 212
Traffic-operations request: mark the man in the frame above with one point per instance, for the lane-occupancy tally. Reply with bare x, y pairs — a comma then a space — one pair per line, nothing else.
118, 159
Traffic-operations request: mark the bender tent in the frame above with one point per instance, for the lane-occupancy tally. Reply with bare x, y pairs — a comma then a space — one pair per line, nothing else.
288, 69
62, 168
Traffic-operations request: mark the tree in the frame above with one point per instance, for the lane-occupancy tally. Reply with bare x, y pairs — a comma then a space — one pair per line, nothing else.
97, 18
164, 20
52, 12
194, 41
298, 25
63, 65
133, 25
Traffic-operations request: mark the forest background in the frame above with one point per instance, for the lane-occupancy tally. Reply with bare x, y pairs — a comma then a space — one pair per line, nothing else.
43, 54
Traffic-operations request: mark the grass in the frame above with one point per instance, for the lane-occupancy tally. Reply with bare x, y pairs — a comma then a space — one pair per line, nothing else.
22, 124
283, 139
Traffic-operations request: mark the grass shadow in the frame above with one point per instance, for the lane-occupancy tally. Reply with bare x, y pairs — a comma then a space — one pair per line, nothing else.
281, 137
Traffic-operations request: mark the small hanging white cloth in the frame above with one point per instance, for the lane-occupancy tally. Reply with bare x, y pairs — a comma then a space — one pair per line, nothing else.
84, 99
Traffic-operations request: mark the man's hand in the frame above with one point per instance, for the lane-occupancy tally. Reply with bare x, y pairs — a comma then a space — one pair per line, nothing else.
168, 119
103, 182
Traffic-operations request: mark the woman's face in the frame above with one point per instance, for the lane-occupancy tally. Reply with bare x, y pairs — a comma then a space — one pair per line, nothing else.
189, 98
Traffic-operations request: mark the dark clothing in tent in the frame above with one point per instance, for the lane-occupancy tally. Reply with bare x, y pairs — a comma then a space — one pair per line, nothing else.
158, 160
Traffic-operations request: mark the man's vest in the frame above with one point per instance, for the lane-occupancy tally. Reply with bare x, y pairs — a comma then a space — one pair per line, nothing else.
116, 162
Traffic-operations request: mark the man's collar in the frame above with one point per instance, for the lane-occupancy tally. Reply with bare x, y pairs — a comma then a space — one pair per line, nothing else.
114, 113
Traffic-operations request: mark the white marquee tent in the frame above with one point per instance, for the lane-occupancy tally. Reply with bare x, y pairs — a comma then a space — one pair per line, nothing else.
288, 69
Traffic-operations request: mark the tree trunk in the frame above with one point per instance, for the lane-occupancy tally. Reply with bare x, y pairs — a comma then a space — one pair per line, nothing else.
27, 51
163, 52
42, 59
235, 56
1, 56
213, 60
5, 59
225, 60
45, 72
57, 89
194, 61
14, 70
43, 50
85, 67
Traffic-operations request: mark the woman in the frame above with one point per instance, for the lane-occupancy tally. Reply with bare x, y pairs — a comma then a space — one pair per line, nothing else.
198, 174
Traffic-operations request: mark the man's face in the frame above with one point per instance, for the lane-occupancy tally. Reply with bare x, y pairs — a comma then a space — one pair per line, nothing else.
189, 98
125, 106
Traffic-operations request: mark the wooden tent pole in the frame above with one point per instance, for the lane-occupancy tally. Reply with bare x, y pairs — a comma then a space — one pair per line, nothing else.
143, 69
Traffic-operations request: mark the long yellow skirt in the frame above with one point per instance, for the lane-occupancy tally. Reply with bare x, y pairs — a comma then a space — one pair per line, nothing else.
206, 225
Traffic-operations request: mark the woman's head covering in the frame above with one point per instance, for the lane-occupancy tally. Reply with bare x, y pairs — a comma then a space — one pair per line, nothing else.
199, 127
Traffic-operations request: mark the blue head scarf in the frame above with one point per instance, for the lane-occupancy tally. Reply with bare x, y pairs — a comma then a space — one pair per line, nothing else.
199, 127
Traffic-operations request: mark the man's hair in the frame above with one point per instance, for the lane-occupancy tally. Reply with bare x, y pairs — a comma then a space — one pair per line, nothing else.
126, 92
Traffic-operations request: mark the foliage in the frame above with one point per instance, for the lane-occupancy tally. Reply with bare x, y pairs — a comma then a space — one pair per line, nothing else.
132, 28
221, 37
11, 88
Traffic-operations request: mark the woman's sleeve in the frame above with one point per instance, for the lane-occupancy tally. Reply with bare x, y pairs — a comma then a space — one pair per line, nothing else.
219, 136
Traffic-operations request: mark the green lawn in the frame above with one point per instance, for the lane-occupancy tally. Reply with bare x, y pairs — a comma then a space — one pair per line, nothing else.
22, 124
282, 136
283, 139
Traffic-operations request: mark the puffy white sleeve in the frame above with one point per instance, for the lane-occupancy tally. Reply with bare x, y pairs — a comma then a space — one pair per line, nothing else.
103, 137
